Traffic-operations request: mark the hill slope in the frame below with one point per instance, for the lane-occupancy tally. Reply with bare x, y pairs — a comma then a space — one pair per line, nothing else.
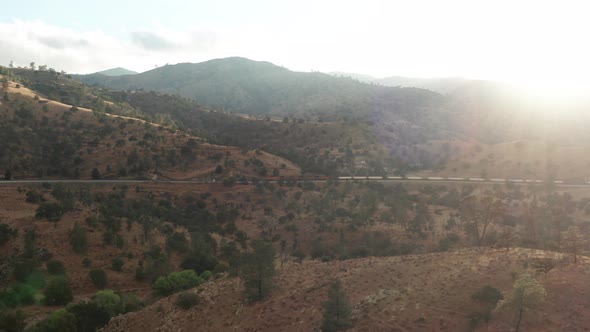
47, 138
245, 86
429, 292
116, 72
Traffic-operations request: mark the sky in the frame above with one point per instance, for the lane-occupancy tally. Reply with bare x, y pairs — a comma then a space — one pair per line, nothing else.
520, 40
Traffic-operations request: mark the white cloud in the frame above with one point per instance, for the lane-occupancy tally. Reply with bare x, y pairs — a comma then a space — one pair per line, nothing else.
91, 51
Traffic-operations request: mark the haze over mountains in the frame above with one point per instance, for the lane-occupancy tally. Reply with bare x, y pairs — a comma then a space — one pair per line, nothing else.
443, 85
481, 110
117, 72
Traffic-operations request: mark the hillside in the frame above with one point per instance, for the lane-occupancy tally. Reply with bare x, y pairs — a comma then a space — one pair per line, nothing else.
116, 72
411, 293
347, 146
490, 112
440, 85
249, 87
46, 138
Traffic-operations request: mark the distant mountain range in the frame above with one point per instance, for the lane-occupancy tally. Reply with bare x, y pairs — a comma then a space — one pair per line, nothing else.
444, 85
254, 87
413, 108
116, 72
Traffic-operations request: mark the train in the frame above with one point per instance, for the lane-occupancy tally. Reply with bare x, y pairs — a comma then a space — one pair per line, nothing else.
300, 178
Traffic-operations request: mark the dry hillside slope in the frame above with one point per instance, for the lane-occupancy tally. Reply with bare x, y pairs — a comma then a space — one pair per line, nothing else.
117, 146
430, 292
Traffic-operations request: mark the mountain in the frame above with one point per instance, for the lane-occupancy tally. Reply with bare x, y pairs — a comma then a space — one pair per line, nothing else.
116, 72
444, 85
360, 77
251, 87
66, 130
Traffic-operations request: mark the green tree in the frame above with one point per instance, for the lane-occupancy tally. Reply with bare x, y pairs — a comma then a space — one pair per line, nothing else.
95, 174
58, 291
78, 239
527, 293
99, 278
7, 173
337, 309
49, 210
55, 267
258, 271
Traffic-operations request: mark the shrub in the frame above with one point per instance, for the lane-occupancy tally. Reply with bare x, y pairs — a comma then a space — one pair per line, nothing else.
78, 239
206, 275
177, 242
140, 274
187, 300
50, 210
12, 320
99, 278
176, 281
58, 291
33, 196
86, 262
6, 234
60, 320
199, 263
19, 294
55, 267
95, 174
117, 264
337, 309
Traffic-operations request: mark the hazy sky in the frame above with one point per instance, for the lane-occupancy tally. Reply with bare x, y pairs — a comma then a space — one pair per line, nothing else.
503, 40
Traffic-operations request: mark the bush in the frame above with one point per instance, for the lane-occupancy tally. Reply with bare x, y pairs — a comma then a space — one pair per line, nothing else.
33, 196
99, 278
58, 291
187, 300
86, 262
50, 210
95, 174
6, 234
177, 242
55, 267
206, 275
337, 309
176, 281
78, 239
117, 264
200, 263
12, 320
19, 294
140, 274
61, 320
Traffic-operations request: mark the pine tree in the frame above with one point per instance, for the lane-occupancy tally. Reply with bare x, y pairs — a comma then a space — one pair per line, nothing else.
337, 309
258, 270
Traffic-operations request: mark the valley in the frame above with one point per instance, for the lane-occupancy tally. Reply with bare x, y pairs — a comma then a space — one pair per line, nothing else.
235, 194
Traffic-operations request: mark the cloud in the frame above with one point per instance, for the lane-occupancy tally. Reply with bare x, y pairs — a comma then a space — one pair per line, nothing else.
151, 41
80, 51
